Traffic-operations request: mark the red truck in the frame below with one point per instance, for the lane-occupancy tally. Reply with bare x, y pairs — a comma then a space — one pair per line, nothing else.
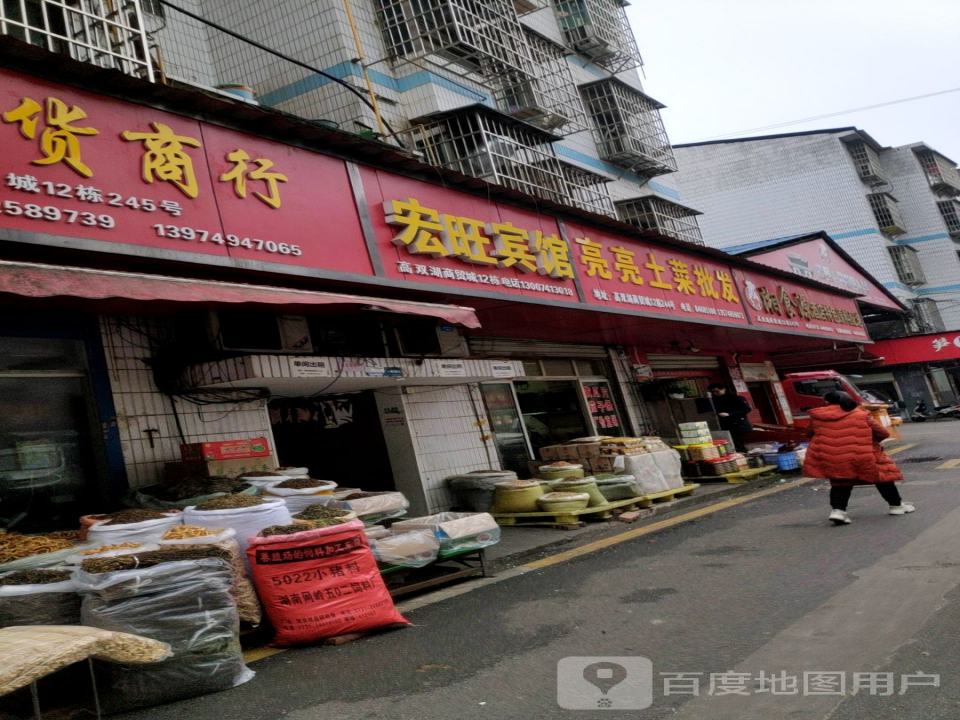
805, 390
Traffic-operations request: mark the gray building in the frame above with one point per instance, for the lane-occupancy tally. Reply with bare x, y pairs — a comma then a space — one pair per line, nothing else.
541, 96
895, 210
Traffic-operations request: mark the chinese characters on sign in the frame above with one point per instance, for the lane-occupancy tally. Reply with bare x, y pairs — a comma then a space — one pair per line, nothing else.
807, 683
940, 343
601, 407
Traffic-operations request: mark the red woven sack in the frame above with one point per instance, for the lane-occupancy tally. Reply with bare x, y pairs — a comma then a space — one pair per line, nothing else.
320, 583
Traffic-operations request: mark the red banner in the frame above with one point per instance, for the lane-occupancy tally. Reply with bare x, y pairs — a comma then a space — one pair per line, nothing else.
772, 303
918, 349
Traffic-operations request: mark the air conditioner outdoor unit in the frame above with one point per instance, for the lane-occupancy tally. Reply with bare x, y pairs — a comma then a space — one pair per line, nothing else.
260, 332
431, 341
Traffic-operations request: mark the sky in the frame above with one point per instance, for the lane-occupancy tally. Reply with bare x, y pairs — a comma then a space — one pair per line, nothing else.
727, 66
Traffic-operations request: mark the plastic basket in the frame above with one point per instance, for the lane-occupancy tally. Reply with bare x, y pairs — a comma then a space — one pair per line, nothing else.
788, 461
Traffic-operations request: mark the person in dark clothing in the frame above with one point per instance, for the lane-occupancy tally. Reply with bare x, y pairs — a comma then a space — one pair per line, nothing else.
732, 411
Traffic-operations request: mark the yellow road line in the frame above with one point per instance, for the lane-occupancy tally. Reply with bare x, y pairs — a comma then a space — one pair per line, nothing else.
657, 526
949, 465
901, 448
260, 653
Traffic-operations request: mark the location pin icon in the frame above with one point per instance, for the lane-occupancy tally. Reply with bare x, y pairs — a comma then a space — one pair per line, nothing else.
604, 675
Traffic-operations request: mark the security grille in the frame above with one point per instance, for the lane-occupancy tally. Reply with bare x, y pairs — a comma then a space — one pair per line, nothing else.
943, 177
907, 265
663, 217
587, 190
106, 33
887, 213
479, 142
545, 94
926, 316
600, 30
867, 162
628, 127
950, 212
483, 36
524, 7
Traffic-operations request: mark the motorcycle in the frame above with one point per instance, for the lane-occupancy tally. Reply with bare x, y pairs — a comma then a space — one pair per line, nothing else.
922, 413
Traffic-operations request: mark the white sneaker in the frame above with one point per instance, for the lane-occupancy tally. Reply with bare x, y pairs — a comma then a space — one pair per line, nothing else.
839, 517
902, 509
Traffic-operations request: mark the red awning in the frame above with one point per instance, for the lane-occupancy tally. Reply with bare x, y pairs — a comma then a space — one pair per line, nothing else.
46, 281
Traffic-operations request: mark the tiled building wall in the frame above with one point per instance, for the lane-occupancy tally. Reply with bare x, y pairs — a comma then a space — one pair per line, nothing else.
128, 344
184, 45
450, 434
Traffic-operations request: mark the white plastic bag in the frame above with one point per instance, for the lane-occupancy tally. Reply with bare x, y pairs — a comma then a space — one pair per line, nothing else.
299, 498
374, 506
410, 549
646, 472
79, 557
670, 466
456, 531
101, 533
245, 521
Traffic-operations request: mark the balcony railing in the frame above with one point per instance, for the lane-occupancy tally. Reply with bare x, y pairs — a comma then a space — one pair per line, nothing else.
107, 33
628, 127
600, 30
662, 216
887, 213
545, 94
525, 7
482, 36
587, 190
907, 265
484, 144
943, 176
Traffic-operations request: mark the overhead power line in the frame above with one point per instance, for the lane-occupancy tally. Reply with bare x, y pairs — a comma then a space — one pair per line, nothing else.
798, 121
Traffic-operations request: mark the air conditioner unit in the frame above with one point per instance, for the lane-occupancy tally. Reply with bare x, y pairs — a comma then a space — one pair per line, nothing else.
420, 340
260, 332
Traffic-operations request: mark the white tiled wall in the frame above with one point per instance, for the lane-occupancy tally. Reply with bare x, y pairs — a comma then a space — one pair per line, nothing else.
449, 431
140, 406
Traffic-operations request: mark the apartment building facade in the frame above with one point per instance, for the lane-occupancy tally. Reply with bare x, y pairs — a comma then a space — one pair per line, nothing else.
895, 210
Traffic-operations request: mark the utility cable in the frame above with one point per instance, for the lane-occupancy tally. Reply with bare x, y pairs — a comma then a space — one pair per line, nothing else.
282, 56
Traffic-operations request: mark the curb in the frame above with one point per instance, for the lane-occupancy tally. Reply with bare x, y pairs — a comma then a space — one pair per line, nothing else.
613, 528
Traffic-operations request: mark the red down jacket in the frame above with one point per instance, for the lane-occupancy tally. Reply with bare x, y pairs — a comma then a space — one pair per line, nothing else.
846, 447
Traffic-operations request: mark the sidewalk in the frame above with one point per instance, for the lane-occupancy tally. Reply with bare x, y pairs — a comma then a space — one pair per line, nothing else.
522, 544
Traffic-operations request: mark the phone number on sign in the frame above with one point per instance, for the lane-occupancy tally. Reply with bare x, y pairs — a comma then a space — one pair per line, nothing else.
50, 213
175, 232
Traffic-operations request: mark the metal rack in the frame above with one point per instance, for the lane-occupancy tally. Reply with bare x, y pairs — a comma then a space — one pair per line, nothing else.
662, 216
107, 33
482, 143
628, 127
588, 190
545, 94
600, 30
482, 36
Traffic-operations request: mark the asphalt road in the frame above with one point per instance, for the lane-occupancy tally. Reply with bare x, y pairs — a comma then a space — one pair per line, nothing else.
752, 598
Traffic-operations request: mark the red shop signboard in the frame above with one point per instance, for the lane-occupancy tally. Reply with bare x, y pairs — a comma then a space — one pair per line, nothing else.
772, 303
81, 165
918, 349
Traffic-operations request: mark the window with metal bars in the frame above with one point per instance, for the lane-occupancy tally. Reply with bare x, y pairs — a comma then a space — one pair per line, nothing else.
587, 190
866, 161
950, 212
106, 33
926, 316
887, 214
943, 176
600, 30
662, 217
907, 265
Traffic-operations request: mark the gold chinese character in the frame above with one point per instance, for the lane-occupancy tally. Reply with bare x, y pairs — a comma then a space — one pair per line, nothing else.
422, 227
463, 238
658, 270
165, 159
706, 282
727, 289
59, 141
240, 171
512, 246
592, 258
681, 277
553, 255
624, 264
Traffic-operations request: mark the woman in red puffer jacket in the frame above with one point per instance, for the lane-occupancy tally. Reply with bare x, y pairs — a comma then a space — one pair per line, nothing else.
846, 450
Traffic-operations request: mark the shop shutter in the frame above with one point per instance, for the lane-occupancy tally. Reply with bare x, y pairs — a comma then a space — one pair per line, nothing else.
503, 347
683, 362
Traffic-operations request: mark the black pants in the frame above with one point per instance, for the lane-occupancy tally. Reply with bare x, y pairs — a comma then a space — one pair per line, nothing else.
840, 494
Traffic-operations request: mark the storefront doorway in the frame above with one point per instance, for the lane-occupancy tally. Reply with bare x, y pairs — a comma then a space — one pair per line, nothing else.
763, 401
338, 437
47, 416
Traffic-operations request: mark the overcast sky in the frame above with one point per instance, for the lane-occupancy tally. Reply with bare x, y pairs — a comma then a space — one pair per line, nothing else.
724, 66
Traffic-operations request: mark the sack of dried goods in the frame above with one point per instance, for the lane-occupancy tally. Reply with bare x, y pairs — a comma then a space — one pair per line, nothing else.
38, 597
192, 536
320, 583
189, 491
28, 552
133, 525
245, 514
177, 596
415, 549
372, 507
324, 515
299, 493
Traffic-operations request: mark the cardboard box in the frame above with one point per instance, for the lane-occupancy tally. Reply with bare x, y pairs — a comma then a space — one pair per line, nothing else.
257, 447
603, 464
588, 451
217, 468
550, 453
